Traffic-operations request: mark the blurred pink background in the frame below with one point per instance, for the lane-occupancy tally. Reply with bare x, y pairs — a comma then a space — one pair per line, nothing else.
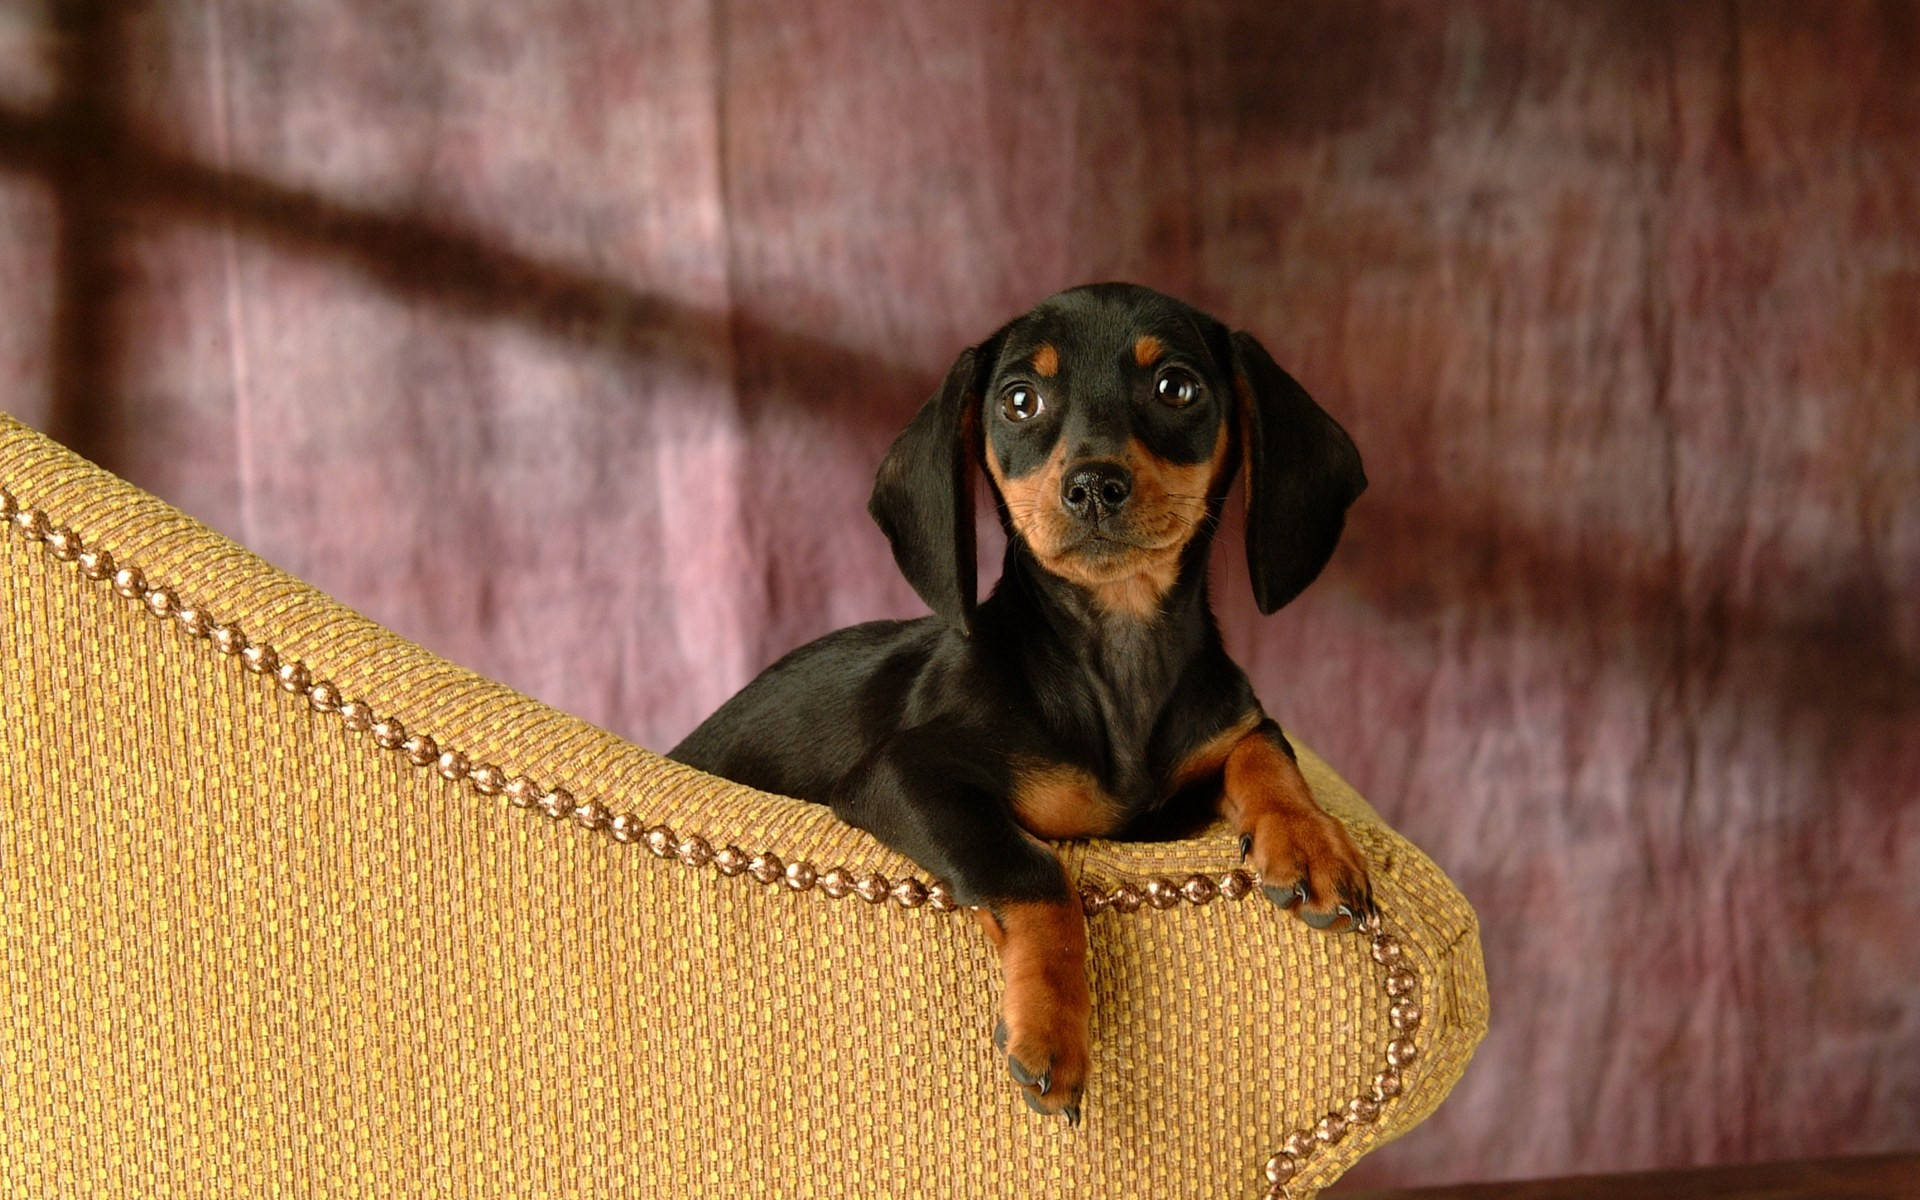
563, 337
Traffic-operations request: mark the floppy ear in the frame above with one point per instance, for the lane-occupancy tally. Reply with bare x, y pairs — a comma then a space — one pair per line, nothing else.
923, 494
1302, 474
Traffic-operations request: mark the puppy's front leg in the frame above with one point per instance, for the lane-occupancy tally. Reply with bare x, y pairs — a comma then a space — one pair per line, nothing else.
1306, 861
1045, 1008
951, 815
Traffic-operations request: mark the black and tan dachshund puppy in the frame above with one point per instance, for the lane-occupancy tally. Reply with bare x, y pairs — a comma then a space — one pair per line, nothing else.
1089, 695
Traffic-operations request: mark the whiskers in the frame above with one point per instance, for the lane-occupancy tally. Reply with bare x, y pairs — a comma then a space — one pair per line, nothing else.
1167, 523
1191, 513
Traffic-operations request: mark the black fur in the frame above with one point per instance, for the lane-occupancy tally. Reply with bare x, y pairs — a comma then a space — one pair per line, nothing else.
1304, 475
923, 494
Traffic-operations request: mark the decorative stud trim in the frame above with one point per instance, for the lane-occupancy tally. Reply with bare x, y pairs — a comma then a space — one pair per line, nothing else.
487, 779
324, 698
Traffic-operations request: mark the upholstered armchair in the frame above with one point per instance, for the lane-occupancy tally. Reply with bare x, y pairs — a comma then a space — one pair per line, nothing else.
294, 907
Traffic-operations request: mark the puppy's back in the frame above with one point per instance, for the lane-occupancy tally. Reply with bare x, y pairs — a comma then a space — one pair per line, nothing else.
802, 725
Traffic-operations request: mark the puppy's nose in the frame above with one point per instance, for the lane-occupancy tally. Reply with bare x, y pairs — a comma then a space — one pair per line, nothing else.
1096, 490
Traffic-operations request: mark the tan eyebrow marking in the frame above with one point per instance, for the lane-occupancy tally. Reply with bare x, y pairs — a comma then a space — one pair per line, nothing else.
1147, 349
1046, 360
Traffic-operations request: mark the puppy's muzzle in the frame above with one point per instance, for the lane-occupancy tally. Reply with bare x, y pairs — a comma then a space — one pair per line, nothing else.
1096, 490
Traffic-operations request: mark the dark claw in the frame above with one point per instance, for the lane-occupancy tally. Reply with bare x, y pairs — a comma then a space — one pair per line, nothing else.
1360, 907
1246, 846
1000, 1035
1363, 916
1034, 1104
1319, 920
1286, 897
1073, 1115
1022, 1075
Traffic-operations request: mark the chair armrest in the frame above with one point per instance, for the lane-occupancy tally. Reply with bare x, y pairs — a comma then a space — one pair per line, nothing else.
294, 905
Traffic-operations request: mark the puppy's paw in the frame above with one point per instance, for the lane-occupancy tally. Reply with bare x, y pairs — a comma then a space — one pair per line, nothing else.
1309, 865
1046, 1055
1046, 1007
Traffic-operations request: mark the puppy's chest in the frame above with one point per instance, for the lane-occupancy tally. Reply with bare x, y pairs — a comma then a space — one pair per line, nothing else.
1060, 800
1064, 799
1096, 776
1099, 763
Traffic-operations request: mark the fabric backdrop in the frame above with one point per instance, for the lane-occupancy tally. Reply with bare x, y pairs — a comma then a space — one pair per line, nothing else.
563, 337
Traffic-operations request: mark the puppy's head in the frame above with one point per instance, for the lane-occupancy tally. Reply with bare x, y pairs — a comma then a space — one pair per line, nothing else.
1111, 420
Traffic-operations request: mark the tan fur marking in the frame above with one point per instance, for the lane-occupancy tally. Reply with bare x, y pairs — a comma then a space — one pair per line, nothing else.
1294, 839
1046, 1003
1170, 500
1046, 360
1261, 780
1169, 504
1054, 800
1033, 501
1137, 596
1210, 756
1147, 349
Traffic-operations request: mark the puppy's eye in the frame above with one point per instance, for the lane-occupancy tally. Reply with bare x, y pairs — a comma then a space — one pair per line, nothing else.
1176, 387
1021, 403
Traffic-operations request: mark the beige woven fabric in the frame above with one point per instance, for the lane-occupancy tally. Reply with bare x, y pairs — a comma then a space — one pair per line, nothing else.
249, 951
